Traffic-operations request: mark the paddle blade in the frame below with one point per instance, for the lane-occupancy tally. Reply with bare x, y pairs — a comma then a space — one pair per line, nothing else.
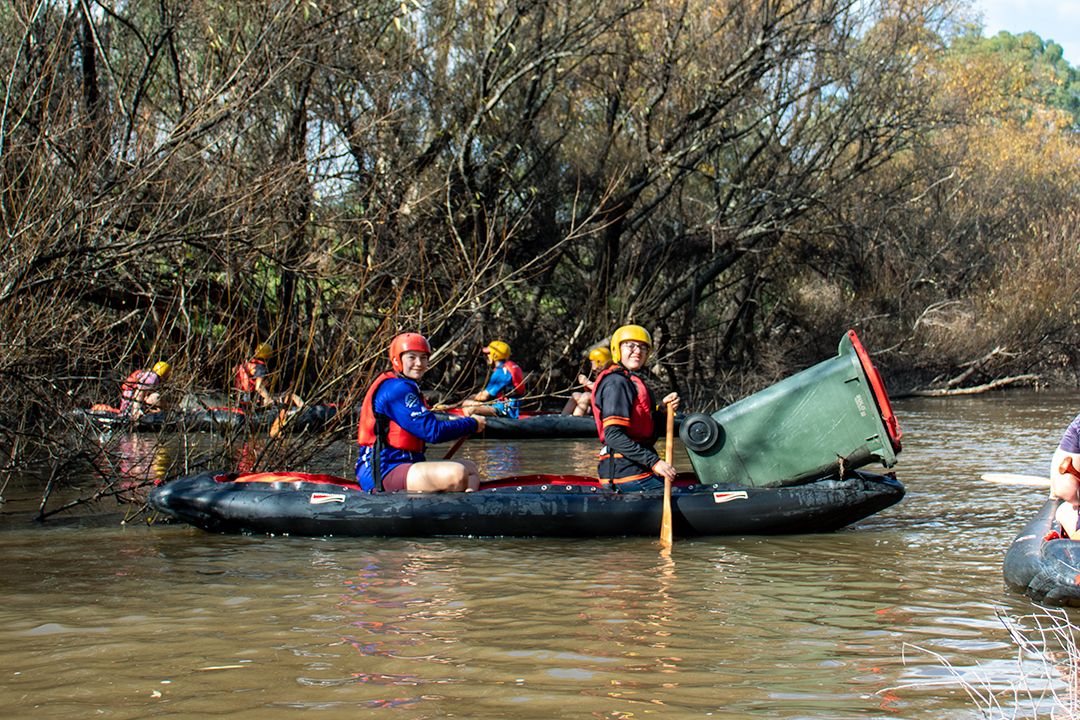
279, 423
667, 537
1014, 479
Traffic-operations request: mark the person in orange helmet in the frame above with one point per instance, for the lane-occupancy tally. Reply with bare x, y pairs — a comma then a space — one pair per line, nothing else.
396, 424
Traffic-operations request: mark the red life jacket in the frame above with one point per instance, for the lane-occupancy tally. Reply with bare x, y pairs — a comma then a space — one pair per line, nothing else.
395, 434
138, 380
640, 429
245, 375
518, 377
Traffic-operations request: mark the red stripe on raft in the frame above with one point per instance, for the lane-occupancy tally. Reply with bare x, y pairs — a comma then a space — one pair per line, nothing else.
520, 480
273, 477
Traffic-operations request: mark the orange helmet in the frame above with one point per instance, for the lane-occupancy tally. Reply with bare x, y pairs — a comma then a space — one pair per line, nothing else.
407, 342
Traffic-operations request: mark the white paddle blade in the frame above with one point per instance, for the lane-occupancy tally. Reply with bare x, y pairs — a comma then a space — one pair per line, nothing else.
1013, 479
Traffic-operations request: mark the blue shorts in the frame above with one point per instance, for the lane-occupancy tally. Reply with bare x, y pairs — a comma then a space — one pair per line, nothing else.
507, 408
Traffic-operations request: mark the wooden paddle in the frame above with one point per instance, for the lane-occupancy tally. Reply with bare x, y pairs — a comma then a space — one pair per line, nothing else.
666, 538
279, 423
1014, 479
454, 448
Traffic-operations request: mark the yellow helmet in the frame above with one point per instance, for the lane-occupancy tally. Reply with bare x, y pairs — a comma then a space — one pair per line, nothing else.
628, 332
497, 350
600, 356
263, 351
162, 369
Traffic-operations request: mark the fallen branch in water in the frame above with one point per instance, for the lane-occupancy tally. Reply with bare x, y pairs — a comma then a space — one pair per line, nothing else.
975, 390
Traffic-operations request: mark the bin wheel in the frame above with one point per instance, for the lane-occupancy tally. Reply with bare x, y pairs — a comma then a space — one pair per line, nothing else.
700, 432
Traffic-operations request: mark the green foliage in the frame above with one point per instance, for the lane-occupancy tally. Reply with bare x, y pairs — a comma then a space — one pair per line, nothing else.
1046, 77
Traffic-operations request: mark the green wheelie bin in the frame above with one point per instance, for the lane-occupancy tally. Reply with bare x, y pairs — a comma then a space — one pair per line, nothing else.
826, 420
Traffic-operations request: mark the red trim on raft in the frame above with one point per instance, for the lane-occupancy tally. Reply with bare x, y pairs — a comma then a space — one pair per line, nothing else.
538, 479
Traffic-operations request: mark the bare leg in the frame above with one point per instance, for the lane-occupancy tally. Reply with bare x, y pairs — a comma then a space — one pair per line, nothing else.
472, 407
437, 476
1064, 485
1067, 516
472, 475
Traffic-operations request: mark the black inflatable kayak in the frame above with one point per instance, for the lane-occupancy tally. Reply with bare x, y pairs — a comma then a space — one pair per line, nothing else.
219, 419
532, 506
1046, 570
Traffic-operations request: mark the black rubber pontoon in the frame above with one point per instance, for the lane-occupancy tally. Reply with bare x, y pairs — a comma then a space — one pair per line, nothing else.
219, 419
534, 506
1047, 571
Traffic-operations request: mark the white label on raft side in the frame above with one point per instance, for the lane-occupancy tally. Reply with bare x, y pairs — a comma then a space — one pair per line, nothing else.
861, 404
723, 497
323, 498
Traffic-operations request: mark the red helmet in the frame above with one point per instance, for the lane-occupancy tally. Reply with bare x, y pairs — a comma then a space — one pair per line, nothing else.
404, 343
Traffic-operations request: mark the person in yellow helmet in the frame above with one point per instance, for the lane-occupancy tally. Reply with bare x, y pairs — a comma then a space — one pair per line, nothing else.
506, 386
140, 393
580, 402
628, 418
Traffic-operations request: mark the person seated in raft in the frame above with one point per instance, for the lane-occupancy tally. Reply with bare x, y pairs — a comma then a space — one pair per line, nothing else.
1065, 478
580, 403
140, 392
506, 385
396, 423
628, 419
251, 380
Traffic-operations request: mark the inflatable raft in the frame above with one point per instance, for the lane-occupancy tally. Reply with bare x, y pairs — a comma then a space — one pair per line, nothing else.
1041, 565
216, 419
528, 506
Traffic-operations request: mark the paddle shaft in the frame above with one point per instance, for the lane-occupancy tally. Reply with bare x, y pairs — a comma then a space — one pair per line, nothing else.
455, 447
666, 534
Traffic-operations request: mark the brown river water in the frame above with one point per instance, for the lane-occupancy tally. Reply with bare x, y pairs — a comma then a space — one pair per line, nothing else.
887, 619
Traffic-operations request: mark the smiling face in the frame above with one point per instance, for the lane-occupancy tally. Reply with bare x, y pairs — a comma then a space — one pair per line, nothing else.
414, 364
633, 354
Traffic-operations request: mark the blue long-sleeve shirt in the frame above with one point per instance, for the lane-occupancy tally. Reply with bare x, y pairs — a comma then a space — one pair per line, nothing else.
400, 400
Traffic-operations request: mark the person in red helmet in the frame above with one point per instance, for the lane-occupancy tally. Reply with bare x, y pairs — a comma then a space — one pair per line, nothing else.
396, 425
